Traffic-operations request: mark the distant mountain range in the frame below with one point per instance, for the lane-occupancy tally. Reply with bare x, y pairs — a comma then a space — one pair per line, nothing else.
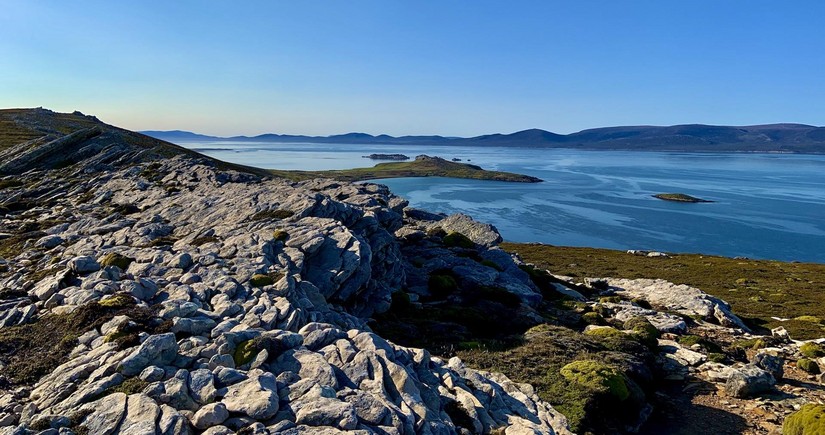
788, 138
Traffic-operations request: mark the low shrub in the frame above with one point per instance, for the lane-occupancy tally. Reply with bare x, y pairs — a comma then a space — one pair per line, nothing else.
808, 366
811, 350
810, 419
597, 376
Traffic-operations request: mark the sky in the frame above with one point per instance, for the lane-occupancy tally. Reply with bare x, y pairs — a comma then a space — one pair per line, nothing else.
454, 68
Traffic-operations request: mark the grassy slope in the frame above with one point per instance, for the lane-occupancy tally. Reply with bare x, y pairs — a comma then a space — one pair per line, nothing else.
433, 167
756, 289
22, 125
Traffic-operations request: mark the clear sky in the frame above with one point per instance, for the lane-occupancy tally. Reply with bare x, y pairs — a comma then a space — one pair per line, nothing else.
445, 67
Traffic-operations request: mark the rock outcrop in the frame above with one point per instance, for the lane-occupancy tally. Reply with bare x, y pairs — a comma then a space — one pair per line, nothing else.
228, 302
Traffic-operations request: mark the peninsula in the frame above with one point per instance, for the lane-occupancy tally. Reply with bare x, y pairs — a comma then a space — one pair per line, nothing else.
422, 166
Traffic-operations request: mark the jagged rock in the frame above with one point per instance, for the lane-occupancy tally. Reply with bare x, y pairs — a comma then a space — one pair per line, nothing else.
748, 381
256, 397
680, 298
335, 264
106, 414
83, 264
772, 364
141, 415
480, 233
157, 349
210, 415
152, 374
49, 242
202, 386
324, 411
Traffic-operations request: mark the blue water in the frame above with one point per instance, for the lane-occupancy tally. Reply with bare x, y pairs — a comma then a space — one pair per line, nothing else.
766, 205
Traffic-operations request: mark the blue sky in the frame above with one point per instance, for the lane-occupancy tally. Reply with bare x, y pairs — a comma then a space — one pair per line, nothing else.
458, 68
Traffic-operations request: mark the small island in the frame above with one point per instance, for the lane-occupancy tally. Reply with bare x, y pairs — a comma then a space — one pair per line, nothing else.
422, 166
678, 197
399, 157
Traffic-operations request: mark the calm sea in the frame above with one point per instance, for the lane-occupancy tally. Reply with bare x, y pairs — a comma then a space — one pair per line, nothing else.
766, 205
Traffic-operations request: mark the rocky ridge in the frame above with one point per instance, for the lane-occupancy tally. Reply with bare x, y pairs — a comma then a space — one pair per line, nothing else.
228, 302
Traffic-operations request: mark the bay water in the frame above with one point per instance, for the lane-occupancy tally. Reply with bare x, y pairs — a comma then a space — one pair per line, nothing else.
767, 206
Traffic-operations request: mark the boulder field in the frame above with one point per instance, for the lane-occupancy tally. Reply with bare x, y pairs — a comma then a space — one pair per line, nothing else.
176, 297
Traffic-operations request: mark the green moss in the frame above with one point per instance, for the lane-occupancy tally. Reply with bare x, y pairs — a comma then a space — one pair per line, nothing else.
811, 350
809, 420
245, 352
610, 299
276, 214
717, 357
119, 300
808, 365
750, 343
442, 284
260, 280
643, 330
458, 240
597, 376
593, 318
689, 340
115, 259
280, 235
605, 332
129, 386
